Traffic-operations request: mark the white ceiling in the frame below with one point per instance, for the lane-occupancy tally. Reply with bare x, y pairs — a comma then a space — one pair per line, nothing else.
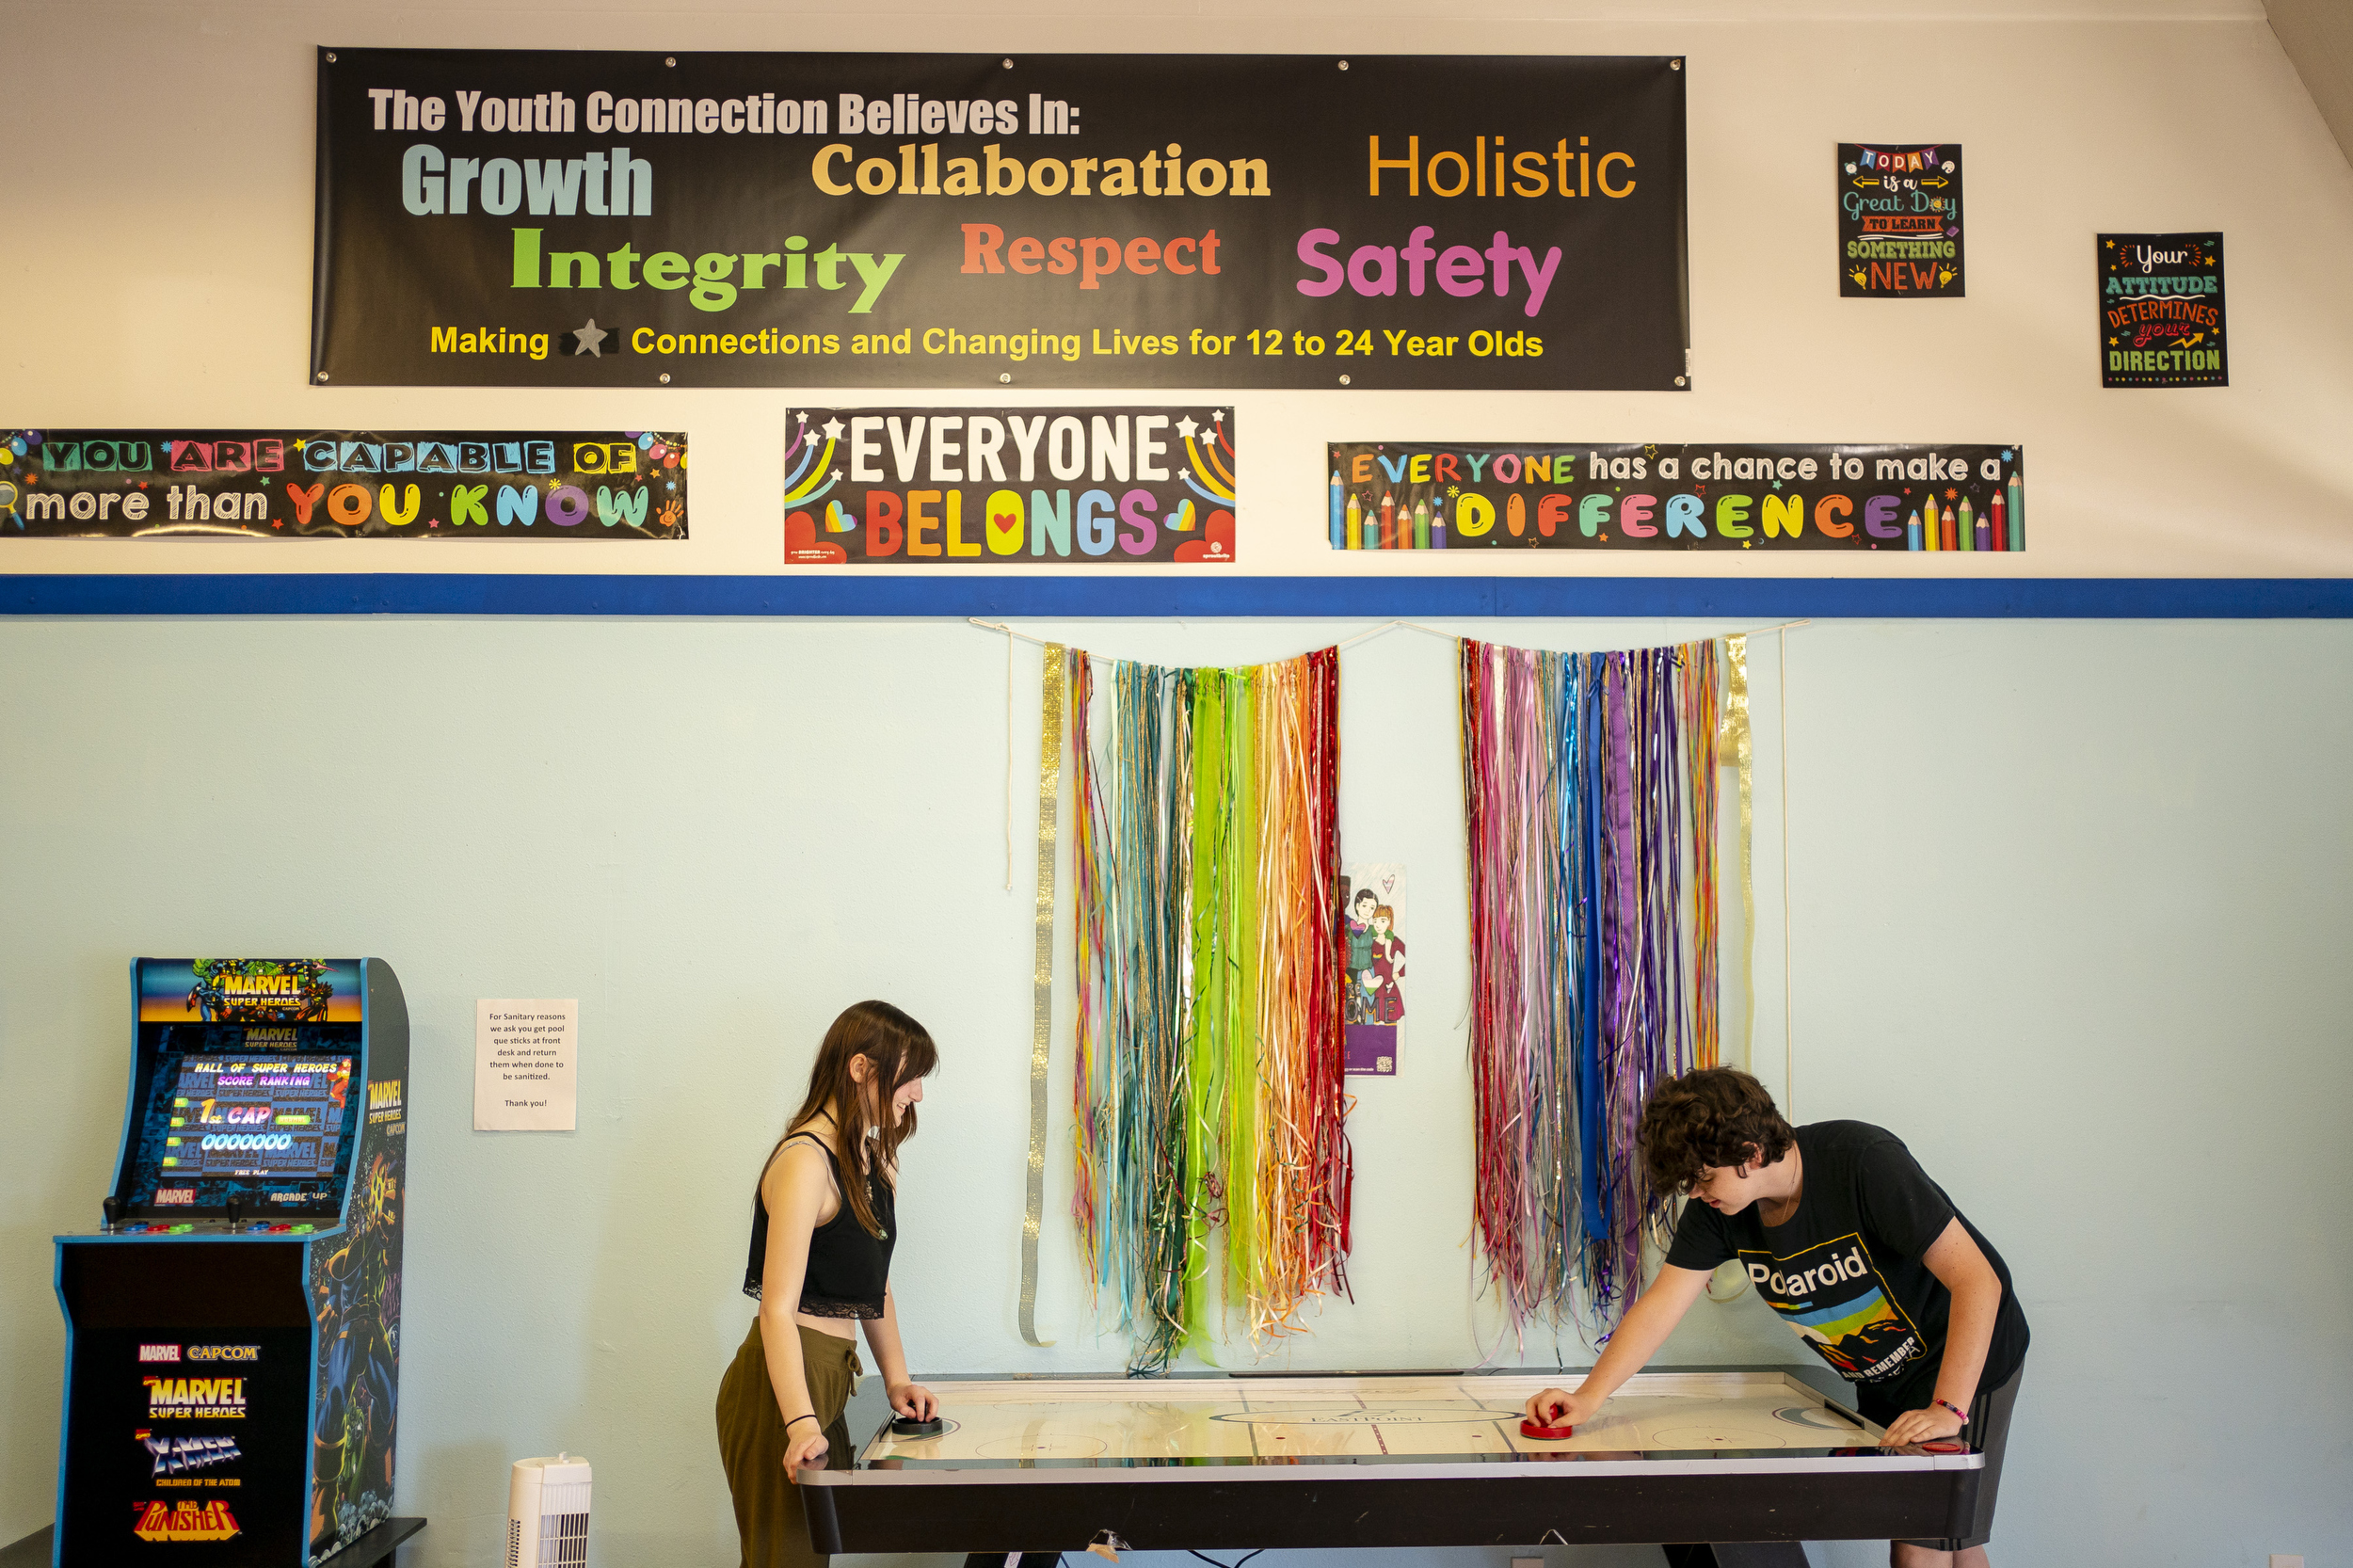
2318, 37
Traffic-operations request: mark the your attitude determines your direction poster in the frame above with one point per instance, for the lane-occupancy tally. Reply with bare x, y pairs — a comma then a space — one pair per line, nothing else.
490, 217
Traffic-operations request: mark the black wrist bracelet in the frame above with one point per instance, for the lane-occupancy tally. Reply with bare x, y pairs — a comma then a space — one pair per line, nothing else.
787, 1426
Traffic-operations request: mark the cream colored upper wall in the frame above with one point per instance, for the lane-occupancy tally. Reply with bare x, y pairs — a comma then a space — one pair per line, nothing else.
172, 255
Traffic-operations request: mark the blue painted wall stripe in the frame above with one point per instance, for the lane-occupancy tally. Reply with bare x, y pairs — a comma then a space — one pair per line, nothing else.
1355, 597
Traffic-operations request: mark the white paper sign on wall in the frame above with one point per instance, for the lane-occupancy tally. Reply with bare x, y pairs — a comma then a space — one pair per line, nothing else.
526, 1068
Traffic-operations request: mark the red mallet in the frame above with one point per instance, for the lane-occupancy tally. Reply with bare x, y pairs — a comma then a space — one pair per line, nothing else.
1543, 1433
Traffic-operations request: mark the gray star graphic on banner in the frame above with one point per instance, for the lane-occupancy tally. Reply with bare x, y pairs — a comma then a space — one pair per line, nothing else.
591, 339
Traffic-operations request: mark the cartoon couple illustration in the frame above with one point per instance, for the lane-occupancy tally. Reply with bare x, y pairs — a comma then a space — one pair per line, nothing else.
1376, 961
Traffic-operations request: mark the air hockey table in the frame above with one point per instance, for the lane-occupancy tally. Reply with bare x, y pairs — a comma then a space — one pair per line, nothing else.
1754, 1457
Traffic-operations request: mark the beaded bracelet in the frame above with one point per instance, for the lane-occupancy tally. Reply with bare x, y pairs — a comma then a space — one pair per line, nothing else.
1954, 1408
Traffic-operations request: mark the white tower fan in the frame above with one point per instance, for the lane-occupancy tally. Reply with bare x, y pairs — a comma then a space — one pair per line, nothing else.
547, 1513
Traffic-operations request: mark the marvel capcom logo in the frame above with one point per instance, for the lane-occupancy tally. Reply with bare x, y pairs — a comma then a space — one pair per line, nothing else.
218, 1397
384, 1095
184, 1520
224, 1353
159, 1352
175, 1195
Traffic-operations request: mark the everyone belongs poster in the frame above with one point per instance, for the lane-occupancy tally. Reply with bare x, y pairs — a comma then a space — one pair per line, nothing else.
1900, 218
2161, 311
943, 487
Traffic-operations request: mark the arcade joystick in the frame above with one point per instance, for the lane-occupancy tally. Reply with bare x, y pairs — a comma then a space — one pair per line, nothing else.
113, 1209
235, 1209
907, 1426
1545, 1434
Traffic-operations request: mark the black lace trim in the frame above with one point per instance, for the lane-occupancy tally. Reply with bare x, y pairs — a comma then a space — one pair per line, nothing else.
821, 1308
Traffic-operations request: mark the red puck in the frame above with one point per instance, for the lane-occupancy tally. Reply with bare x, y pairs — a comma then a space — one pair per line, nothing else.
1548, 1434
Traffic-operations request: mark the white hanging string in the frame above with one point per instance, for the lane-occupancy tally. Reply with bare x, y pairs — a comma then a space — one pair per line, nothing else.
1788, 1046
1009, 759
1365, 635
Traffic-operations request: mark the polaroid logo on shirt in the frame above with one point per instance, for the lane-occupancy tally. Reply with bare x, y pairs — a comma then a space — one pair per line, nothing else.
159, 1352
1807, 1281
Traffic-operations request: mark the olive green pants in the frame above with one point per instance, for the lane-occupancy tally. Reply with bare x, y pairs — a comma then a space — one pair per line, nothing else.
752, 1441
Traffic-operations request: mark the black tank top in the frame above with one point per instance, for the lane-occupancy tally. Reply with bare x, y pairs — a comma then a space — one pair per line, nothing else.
848, 1266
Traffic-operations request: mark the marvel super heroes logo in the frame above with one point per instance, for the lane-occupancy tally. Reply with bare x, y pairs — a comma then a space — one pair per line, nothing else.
159, 1352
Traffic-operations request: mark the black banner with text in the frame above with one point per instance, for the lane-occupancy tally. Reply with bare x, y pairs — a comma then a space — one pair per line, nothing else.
1648, 496
581, 218
344, 484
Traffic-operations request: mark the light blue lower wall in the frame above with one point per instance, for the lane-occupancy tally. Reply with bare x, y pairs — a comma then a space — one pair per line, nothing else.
2068, 901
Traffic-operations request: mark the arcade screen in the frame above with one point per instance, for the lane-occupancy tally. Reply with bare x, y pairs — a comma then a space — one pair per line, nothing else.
268, 1130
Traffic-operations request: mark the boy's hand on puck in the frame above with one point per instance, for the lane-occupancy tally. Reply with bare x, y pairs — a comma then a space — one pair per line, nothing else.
1920, 1426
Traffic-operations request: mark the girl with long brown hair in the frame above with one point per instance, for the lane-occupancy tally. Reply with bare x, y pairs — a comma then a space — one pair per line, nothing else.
824, 1222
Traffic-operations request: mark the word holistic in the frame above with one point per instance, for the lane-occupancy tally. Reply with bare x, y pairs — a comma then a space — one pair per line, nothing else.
993, 488
440, 484
586, 218
1424, 495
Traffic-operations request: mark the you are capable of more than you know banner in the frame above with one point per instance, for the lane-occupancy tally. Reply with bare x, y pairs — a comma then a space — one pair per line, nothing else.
579, 219
1621, 495
993, 488
342, 484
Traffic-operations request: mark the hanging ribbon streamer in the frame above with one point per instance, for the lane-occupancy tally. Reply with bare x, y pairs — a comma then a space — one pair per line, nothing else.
1041, 996
1584, 776
1208, 1090
1741, 743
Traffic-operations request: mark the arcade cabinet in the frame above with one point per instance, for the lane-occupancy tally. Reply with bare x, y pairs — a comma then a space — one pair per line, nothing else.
233, 1329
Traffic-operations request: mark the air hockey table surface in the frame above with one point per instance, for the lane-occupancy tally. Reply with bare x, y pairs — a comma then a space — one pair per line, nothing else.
1406, 1459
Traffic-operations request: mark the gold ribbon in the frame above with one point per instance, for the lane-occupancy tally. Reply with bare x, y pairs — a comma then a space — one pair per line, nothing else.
1736, 743
1042, 1004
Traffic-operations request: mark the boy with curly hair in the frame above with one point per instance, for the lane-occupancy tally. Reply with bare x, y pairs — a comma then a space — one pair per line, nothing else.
1846, 1237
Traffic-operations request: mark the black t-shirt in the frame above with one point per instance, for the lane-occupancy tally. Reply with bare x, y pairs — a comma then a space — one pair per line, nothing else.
1846, 1270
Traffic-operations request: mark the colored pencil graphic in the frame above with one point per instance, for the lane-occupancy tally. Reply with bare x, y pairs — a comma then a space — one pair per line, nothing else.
1388, 521
2001, 523
1339, 540
1421, 524
1912, 532
1968, 527
2017, 512
1354, 538
1437, 528
1928, 526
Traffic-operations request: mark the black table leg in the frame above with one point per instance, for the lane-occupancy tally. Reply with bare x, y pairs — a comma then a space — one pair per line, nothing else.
1737, 1554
